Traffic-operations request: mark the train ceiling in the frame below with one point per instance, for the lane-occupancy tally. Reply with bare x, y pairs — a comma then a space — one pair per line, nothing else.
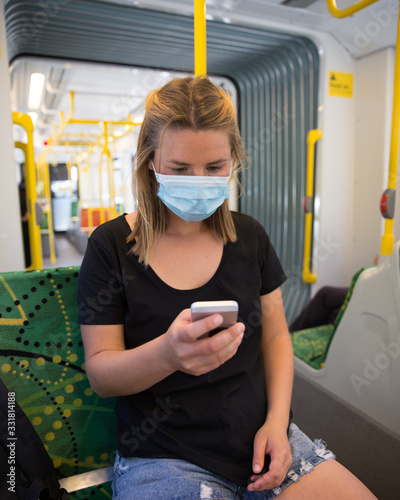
58, 38
367, 31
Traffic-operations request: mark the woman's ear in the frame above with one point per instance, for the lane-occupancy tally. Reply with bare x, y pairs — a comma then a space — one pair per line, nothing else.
150, 164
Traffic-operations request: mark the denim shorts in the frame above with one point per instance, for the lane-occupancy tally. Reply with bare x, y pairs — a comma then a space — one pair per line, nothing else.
175, 479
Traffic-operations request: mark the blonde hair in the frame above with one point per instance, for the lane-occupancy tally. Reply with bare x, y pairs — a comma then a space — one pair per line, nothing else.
192, 103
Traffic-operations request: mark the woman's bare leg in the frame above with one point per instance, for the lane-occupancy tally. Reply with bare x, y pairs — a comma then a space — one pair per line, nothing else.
328, 481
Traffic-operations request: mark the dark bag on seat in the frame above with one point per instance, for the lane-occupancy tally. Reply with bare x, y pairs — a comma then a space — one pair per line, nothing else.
26, 470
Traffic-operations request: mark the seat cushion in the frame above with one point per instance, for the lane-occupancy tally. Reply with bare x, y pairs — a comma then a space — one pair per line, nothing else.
311, 345
42, 362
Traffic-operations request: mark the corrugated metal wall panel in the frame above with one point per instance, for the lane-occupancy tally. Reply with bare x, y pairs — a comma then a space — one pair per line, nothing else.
276, 75
280, 108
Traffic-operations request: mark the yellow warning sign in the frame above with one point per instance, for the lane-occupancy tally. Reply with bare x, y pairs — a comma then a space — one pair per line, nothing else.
340, 84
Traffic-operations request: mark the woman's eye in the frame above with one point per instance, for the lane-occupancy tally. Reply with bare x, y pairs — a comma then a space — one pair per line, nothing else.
180, 170
214, 170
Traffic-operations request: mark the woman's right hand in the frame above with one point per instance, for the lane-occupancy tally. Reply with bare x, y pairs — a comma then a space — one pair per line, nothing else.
114, 370
187, 352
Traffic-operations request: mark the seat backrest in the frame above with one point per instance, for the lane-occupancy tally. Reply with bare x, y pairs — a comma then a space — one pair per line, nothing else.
42, 362
312, 344
347, 299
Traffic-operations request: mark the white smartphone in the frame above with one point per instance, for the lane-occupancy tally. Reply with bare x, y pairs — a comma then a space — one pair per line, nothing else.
228, 309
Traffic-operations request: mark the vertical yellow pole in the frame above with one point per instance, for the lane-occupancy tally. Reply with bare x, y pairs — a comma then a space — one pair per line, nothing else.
102, 218
112, 213
25, 121
200, 42
312, 137
46, 174
89, 197
388, 237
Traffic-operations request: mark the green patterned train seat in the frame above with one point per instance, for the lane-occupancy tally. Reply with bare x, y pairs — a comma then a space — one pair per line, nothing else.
42, 361
312, 344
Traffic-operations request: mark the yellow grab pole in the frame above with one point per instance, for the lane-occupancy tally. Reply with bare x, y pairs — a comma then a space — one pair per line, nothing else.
332, 7
312, 137
387, 241
104, 153
47, 190
110, 172
25, 121
200, 42
102, 219
89, 195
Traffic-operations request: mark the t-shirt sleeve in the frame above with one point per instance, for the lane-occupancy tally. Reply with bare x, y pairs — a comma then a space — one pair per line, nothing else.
272, 273
100, 293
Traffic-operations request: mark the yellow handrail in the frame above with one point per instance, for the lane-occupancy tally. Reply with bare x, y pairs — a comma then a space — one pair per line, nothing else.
49, 212
312, 137
200, 42
61, 138
44, 195
25, 121
387, 241
110, 173
332, 7
58, 136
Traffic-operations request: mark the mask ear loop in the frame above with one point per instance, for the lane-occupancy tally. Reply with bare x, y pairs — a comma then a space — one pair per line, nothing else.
155, 173
154, 169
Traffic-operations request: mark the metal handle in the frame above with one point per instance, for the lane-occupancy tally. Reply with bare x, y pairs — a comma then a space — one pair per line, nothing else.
312, 137
350, 10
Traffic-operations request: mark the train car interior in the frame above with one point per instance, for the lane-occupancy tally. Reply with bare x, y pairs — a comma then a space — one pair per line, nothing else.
316, 86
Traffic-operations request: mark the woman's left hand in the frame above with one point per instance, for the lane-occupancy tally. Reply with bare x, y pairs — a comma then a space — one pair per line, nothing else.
271, 440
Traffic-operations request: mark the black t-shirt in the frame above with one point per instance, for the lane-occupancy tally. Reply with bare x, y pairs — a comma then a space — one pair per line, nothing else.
209, 420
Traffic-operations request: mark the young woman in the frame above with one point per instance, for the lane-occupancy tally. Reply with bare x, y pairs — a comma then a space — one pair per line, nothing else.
198, 416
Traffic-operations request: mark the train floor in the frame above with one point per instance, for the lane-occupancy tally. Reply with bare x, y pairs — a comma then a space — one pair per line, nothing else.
369, 451
66, 253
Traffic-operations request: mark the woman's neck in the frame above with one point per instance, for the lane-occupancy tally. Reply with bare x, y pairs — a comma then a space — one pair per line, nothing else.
180, 228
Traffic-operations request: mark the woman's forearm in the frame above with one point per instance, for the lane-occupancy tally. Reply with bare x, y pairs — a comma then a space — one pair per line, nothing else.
278, 369
123, 372
277, 353
116, 371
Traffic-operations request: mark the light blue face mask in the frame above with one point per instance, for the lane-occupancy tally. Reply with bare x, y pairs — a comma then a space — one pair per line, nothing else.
192, 197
